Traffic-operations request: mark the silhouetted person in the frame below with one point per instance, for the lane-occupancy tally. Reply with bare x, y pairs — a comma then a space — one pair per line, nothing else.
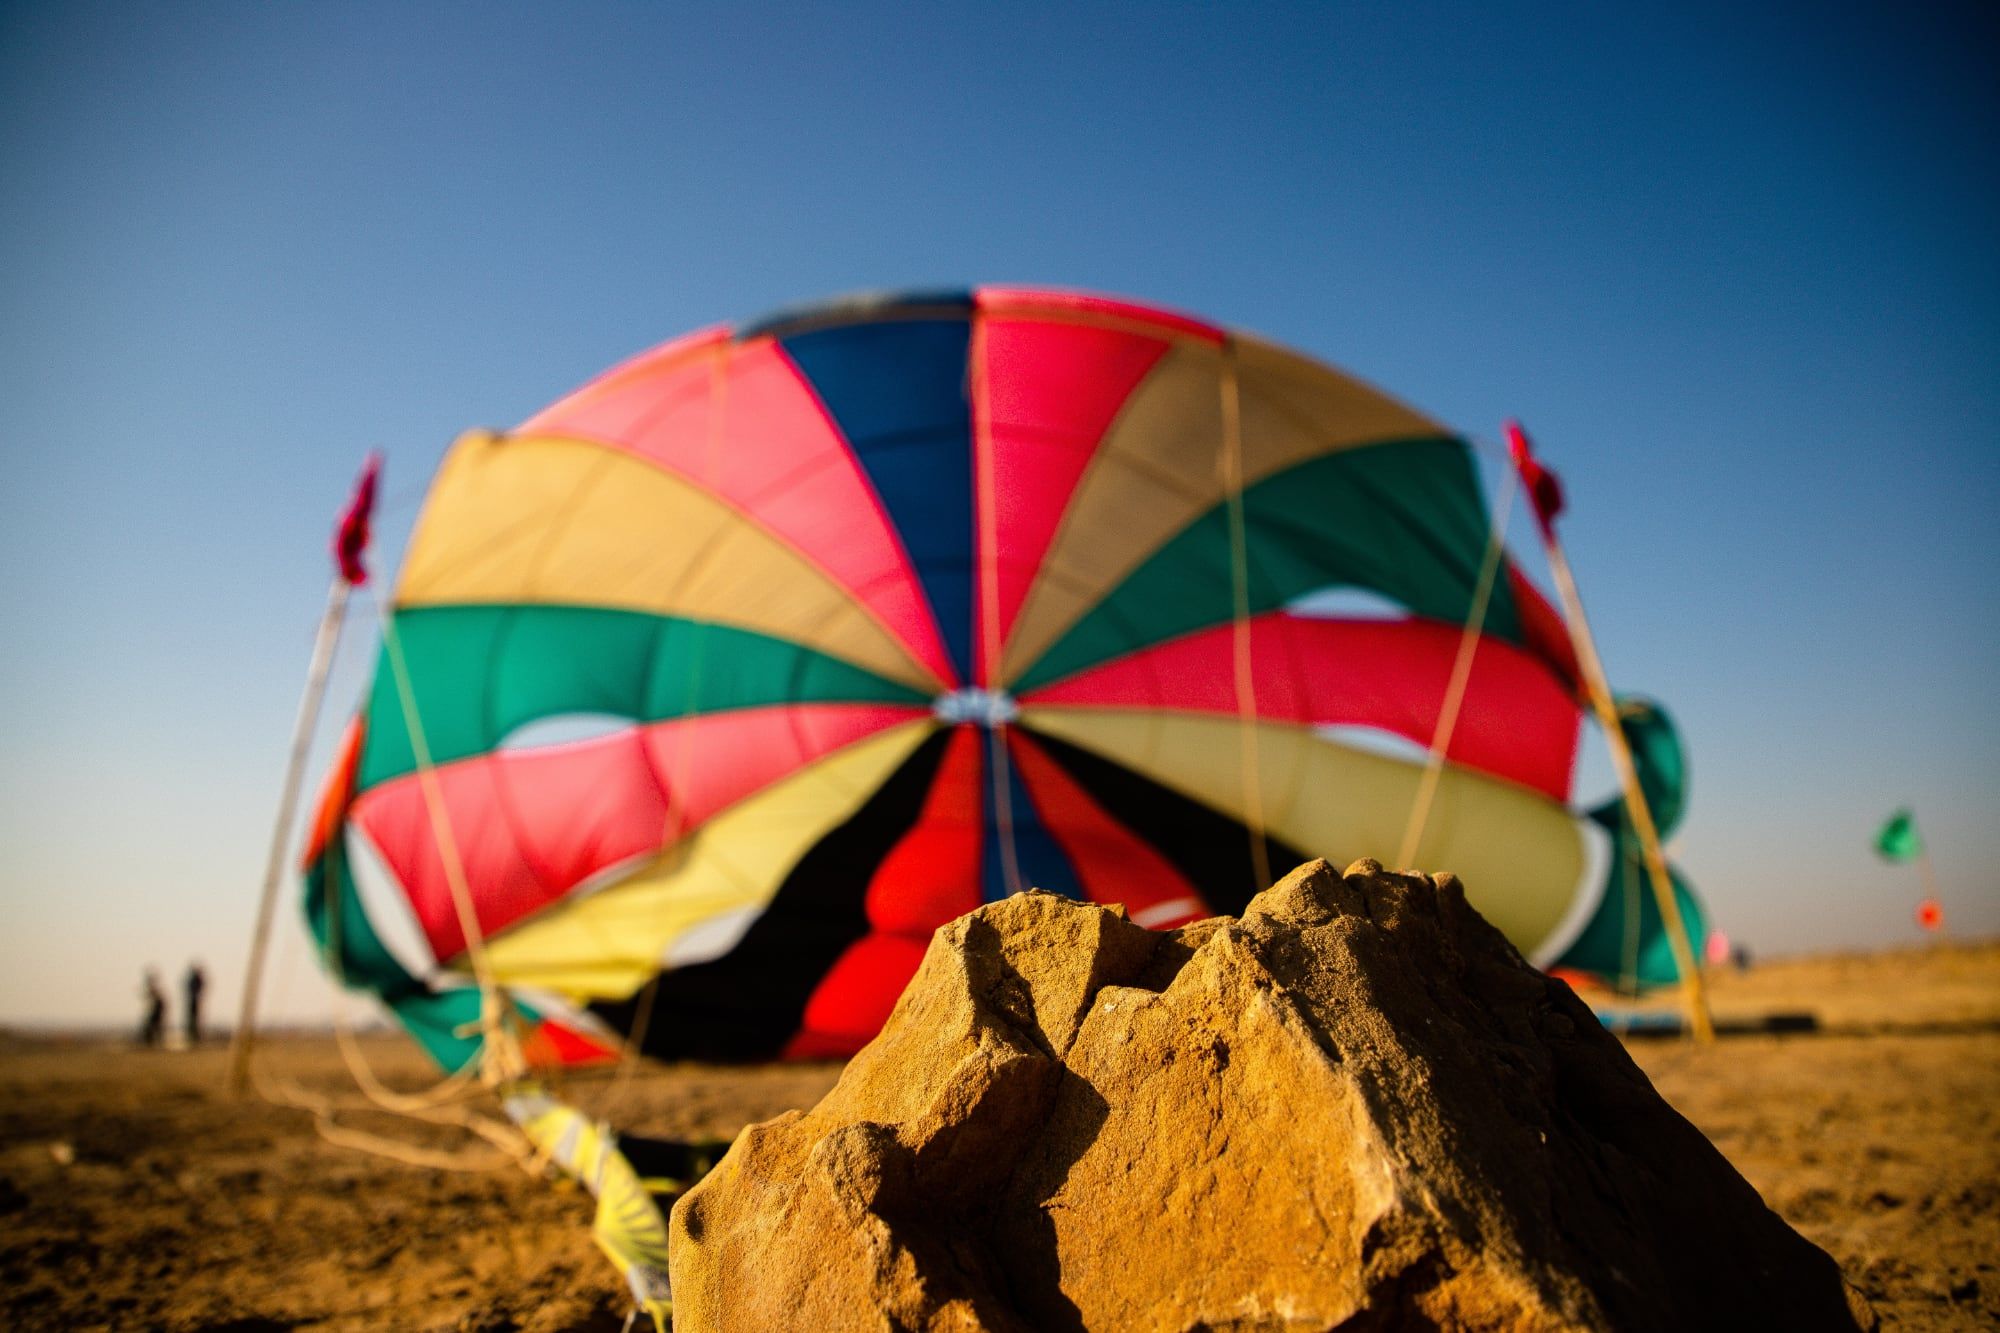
154, 1024
192, 985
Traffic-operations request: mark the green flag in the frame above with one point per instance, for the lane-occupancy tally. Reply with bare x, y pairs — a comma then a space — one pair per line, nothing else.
1898, 841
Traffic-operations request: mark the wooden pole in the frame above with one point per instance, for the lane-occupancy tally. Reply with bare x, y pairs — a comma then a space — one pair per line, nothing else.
303, 728
1930, 874
1692, 990
1931, 888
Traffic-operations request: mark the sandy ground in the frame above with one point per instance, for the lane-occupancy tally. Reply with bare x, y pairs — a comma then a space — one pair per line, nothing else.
133, 1194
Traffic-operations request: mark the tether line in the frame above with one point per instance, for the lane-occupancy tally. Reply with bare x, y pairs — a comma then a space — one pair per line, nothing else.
1461, 677
1242, 662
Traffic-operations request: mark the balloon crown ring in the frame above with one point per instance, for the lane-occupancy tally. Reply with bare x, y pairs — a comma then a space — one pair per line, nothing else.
974, 704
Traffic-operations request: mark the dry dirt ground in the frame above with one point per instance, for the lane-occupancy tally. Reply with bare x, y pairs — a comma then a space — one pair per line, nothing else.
133, 1194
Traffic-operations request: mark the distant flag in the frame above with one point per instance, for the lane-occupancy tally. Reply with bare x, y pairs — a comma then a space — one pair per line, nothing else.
1544, 487
1930, 914
350, 536
1898, 841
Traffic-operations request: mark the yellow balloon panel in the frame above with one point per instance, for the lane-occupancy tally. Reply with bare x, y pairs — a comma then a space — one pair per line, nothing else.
540, 520
1519, 854
607, 944
1160, 467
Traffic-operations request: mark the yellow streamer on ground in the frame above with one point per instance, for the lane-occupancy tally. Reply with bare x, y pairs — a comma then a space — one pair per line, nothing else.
628, 1227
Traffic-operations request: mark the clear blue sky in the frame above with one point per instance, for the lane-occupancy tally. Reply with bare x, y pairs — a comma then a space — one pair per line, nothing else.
1739, 272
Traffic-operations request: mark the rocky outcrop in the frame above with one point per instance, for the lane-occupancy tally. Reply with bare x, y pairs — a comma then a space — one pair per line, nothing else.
1354, 1107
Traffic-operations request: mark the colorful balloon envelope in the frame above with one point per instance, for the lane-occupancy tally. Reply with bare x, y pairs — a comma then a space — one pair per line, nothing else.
709, 692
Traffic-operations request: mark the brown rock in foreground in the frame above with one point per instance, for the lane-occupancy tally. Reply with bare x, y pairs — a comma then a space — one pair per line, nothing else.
1355, 1106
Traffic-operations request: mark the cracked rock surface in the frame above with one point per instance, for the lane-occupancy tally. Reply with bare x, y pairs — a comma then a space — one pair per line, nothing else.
1355, 1107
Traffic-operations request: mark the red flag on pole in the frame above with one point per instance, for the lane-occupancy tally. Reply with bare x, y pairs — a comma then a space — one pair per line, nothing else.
350, 536
1544, 487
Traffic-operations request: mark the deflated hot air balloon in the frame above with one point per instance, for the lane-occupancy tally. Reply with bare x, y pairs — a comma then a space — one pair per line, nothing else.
710, 691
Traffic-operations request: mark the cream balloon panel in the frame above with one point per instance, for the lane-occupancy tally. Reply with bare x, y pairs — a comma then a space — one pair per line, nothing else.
1522, 857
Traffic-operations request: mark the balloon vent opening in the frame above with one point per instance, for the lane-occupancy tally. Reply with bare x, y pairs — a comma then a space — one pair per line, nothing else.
981, 707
